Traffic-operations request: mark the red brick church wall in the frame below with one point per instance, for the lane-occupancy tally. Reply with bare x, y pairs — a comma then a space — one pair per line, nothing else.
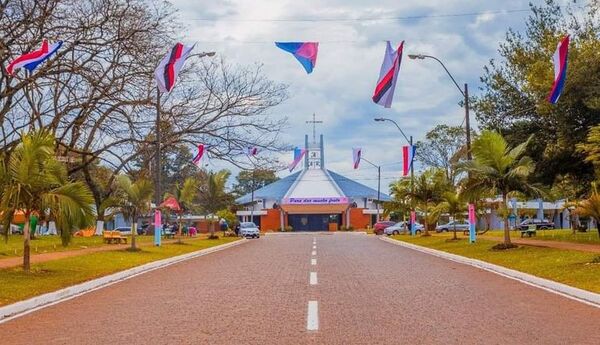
358, 220
270, 221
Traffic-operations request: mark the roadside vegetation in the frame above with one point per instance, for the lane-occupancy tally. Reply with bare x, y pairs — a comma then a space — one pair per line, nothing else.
575, 268
53, 275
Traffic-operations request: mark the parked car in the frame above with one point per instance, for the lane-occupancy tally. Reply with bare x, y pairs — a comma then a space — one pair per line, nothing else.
249, 229
460, 226
399, 228
380, 226
125, 230
540, 224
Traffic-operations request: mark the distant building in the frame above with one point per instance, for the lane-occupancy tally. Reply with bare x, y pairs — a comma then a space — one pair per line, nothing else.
314, 199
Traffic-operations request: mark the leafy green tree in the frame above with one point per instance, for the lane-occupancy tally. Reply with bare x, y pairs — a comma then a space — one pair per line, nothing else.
249, 180
213, 196
453, 203
185, 194
428, 188
400, 205
590, 207
134, 201
443, 146
515, 87
33, 181
498, 169
591, 149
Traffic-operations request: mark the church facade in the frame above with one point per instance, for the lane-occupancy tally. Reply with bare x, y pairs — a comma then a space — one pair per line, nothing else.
313, 199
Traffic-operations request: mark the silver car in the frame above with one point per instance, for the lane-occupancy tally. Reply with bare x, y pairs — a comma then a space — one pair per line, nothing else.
399, 228
460, 226
249, 229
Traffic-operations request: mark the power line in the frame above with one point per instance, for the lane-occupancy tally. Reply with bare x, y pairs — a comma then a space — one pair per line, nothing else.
362, 19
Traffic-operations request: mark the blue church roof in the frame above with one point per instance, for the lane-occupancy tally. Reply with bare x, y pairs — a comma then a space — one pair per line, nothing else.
278, 189
275, 190
353, 189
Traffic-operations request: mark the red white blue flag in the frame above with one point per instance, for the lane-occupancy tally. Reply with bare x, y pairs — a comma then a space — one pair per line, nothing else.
408, 156
560, 69
252, 150
298, 154
384, 91
167, 71
32, 59
356, 152
199, 155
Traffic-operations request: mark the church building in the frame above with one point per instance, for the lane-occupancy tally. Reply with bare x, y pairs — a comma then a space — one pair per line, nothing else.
313, 199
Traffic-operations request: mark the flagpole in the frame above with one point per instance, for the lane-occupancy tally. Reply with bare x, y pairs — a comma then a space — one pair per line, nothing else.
157, 196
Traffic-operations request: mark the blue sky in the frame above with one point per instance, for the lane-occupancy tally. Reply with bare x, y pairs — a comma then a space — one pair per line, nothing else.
350, 55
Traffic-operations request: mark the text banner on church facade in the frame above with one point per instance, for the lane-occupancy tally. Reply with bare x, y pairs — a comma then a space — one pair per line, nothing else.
316, 200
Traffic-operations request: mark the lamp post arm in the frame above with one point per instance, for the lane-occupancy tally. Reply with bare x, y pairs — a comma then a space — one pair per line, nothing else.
368, 161
400, 129
448, 72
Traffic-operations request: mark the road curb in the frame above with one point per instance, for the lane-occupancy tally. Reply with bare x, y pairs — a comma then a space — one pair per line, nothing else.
568, 291
25, 307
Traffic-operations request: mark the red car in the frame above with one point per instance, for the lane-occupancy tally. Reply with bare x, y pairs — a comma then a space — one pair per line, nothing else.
380, 226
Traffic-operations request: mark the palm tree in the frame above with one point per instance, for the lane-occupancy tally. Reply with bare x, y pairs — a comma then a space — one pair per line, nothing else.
35, 182
428, 188
590, 207
134, 201
400, 203
213, 196
185, 195
453, 203
498, 169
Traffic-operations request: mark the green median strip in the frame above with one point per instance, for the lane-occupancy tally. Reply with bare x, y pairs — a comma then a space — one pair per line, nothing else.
574, 268
57, 274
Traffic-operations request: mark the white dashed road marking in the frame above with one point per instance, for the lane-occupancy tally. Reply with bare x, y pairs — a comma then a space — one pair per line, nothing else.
314, 252
313, 278
312, 319
313, 262
314, 247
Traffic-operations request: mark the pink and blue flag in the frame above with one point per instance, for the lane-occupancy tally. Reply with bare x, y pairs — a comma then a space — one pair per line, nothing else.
32, 59
298, 154
560, 70
199, 155
304, 52
408, 156
356, 153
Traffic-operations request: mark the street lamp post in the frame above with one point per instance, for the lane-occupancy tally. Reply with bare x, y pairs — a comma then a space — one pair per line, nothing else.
158, 163
464, 92
378, 185
412, 171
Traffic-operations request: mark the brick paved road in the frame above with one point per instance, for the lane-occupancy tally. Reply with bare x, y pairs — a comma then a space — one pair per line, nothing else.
368, 292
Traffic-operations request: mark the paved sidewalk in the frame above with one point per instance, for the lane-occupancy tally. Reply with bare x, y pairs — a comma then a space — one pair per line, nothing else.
583, 247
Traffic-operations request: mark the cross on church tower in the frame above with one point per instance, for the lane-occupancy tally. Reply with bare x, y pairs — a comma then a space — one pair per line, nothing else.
314, 123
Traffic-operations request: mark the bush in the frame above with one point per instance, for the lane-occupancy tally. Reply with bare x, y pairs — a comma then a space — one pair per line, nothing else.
288, 228
213, 237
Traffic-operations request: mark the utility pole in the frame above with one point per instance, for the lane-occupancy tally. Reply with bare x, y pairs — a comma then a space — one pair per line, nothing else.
157, 196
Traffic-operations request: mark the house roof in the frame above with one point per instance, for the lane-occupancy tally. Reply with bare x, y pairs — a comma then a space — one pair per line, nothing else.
275, 190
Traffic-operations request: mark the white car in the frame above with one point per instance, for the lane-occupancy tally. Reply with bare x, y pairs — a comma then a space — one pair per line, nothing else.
249, 229
460, 226
399, 228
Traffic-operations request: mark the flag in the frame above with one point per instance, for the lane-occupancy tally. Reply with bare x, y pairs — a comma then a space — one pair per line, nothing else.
298, 154
384, 91
198, 157
304, 52
356, 152
560, 69
168, 69
32, 59
408, 156
252, 151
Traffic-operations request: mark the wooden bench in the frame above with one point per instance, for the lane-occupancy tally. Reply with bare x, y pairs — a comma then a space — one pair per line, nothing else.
114, 237
528, 232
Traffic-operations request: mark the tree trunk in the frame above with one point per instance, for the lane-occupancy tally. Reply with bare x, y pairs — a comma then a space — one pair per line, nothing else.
506, 230
133, 234
454, 226
179, 228
426, 233
26, 244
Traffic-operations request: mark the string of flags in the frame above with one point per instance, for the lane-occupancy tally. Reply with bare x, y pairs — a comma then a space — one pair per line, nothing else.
168, 69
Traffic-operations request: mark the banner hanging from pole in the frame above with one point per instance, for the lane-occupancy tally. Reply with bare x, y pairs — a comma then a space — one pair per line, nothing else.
413, 221
157, 227
472, 222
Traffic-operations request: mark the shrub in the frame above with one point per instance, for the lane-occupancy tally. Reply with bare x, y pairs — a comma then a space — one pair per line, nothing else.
288, 228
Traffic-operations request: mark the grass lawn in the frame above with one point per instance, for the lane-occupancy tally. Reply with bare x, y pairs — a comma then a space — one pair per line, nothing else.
54, 275
565, 266
48, 244
564, 235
